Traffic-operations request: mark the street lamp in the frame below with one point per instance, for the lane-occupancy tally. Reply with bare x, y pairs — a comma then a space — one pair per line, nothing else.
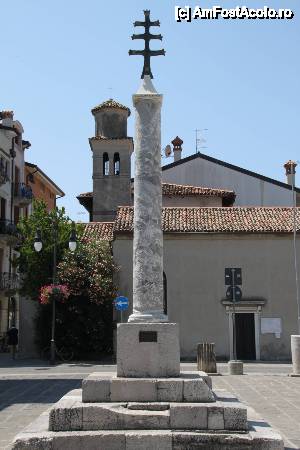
38, 241
38, 245
72, 240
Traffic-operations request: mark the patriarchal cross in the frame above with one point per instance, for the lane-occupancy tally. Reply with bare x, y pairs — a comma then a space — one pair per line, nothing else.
147, 36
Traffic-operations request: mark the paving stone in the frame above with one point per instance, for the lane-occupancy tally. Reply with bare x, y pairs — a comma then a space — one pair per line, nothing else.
96, 389
205, 441
196, 390
135, 390
66, 415
235, 417
139, 440
215, 418
101, 417
188, 416
149, 406
33, 442
170, 390
146, 420
89, 441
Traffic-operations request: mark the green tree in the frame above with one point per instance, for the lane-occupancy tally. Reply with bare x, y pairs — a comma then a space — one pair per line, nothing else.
84, 320
35, 268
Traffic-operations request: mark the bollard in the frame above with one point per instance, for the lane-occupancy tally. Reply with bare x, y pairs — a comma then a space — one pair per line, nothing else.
295, 345
235, 367
206, 358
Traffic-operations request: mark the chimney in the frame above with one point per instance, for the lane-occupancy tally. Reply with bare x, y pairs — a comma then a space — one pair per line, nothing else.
177, 143
290, 171
7, 118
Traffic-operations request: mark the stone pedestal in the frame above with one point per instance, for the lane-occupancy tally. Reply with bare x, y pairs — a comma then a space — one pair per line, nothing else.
148, 350
295, 347
165, 422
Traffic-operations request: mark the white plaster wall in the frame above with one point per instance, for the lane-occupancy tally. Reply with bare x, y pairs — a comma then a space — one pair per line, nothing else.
6, 144
249, 190
5, 192
194, 265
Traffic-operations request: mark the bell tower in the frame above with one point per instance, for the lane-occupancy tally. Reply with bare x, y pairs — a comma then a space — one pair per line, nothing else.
112, 150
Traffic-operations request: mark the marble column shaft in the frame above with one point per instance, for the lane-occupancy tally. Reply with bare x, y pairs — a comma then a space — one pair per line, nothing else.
148, 238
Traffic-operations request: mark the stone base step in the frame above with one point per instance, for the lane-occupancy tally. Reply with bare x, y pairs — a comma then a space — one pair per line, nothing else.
36, 437
189, 387
70, 414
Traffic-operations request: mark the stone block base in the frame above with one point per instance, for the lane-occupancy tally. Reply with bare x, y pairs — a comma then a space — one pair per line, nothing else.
189, 387
37, 437
148, 350
70, 414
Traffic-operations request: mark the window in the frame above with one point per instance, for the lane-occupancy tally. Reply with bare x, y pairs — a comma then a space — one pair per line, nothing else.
17, 175
105, 164
1, 259
116, 164
3, 209
16, 214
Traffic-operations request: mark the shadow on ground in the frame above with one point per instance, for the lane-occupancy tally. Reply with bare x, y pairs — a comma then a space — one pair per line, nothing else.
31, 391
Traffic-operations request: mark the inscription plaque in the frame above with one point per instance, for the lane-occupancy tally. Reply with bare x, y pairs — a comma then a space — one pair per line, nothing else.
148, 336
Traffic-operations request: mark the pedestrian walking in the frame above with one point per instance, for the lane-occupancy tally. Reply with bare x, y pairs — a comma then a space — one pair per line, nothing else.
12, 339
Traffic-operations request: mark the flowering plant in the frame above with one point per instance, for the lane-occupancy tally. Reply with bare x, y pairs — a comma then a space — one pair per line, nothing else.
58, 291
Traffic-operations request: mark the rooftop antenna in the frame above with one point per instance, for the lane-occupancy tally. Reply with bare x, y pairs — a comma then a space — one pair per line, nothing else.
200, 140
110, 91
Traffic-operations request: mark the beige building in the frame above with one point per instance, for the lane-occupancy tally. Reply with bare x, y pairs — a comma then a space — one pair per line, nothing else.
20, 182
216, 216
199, 243
15, 195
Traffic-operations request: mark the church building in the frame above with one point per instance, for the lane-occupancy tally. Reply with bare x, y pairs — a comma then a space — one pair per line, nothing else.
216, 217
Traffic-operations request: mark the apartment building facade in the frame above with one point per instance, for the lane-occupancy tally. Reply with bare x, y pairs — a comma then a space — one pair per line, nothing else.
15, 196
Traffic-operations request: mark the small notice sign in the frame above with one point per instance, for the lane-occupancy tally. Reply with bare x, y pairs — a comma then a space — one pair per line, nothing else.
271, 325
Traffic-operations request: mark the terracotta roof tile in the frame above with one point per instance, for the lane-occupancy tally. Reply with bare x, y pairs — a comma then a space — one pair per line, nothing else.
85, 194
218, 220
104, 230
103, 138
110, 104
184, 190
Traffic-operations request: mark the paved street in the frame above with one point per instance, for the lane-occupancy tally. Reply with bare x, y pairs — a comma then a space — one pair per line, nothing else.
27, 388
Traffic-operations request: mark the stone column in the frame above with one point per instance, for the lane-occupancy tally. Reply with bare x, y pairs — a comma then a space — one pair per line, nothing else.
148, 238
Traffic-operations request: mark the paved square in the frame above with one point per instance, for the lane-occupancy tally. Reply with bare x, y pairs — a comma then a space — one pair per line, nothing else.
27, 388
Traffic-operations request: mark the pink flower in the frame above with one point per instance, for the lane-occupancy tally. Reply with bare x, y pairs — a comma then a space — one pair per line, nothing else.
60, 291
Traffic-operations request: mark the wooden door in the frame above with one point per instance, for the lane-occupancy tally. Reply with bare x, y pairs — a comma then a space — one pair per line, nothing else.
245, 336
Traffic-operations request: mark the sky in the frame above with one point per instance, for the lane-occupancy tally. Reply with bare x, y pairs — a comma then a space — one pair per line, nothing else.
236, 80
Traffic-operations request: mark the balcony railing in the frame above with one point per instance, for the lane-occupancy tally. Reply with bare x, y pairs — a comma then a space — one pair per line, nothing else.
3, 174
23, 194
9, 282
9, 232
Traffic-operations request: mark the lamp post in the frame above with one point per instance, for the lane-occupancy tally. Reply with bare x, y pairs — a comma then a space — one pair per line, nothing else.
38, 245
295, 338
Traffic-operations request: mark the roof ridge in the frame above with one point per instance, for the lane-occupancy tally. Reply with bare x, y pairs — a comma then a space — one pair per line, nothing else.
221, 207
198, 187
110, 103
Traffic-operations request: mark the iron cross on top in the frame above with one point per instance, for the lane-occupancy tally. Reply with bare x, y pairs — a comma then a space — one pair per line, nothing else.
147, 36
